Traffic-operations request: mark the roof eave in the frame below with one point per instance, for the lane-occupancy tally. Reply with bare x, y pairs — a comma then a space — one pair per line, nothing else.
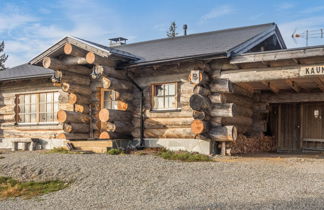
27, 77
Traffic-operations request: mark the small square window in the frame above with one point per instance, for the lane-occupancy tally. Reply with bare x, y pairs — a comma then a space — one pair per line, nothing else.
164, 96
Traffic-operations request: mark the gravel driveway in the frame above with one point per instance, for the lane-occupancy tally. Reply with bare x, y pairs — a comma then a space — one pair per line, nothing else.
148, 182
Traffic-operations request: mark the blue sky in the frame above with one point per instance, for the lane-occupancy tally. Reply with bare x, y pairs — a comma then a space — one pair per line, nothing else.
29, 26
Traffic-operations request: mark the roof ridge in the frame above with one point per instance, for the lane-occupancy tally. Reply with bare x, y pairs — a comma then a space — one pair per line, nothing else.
196, 34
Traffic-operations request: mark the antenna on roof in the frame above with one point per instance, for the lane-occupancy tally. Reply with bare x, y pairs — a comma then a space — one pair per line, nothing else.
309, 34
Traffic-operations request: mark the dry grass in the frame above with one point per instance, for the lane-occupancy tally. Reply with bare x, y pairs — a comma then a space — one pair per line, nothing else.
184, 156
11, 188
62, 150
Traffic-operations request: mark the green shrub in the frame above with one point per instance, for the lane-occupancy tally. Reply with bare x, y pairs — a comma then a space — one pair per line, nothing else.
10, 187
183, 156
115, 152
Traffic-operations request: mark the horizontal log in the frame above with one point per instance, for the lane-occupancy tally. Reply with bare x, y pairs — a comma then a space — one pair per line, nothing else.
167, 123
292, 97
52, 63
60, 76
200, 115
238, 120
110, 115
76, 128
68, 116
199, 126
112, 135
169, 133
66, 107
77, 89
222, 98
111, 72
7, 118
123, 95
223, 133
63, 97
198, 89
117, 127
69, 49
8, 109
73, 136
199, 102
230, 110
225, 86
116, 84
152, 114
80, 99
73, 60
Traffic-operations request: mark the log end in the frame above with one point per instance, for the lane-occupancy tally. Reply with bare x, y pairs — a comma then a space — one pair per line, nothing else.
122, 106
65, 86
104, 115
61, 116
67, 128
72, 98
61, 136
234, 133
46, 62
198, 127
90, 57
68, 49
104, 135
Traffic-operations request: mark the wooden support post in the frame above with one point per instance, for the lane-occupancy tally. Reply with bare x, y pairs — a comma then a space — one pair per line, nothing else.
223, 148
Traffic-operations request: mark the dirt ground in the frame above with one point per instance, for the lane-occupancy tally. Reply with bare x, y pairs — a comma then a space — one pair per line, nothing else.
144, 181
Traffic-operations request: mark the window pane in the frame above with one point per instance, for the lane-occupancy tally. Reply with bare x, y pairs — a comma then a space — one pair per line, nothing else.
21, 108
21, 118
158, 102
171, 89
42, 108
21, 99
42, 98
33, 99
42, 117
56, 108
27, 118
49, 108
27, 108
56, 96
49, 97
49, 117
33, 118
159, 89
27, 99
33, 108
170, 102
114, 105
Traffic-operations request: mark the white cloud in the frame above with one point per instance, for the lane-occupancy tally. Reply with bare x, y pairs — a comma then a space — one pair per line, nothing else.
218, 12
28, 35
313, 9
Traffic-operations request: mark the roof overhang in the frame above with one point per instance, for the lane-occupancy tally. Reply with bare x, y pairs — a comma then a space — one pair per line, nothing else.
249, 44
57, 49
278, 55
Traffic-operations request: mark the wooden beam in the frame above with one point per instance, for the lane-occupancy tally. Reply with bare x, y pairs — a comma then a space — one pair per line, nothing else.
271, 86
292, 97
261, 74
293, 85
320, 83
246, 86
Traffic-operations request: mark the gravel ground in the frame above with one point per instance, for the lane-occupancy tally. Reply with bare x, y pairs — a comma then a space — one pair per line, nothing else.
148, 182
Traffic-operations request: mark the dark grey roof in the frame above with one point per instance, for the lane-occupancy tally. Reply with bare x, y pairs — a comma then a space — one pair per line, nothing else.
24, 71
210, 43
109, 49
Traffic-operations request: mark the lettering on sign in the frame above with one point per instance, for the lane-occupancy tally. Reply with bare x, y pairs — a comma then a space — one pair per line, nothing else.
311, 70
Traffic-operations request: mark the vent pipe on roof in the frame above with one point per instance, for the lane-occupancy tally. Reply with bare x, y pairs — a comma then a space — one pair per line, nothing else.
185, 27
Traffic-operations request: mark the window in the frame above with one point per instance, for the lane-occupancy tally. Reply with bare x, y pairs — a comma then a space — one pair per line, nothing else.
164, 96
108, 99
37, 107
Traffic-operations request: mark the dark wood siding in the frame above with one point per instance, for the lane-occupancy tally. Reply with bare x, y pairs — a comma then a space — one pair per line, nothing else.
313, 127
288, 128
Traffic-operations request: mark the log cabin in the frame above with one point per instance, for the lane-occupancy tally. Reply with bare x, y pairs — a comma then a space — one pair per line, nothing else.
195, 92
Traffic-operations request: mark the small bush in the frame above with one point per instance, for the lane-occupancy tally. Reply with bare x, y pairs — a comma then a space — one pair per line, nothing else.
62, 150
183, 156
10, 187
115, 152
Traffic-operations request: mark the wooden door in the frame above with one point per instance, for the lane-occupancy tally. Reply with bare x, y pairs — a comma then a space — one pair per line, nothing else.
313, 126
288, 128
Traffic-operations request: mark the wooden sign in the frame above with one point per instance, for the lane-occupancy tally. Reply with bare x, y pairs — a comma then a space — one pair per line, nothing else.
195, 76
311, 70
